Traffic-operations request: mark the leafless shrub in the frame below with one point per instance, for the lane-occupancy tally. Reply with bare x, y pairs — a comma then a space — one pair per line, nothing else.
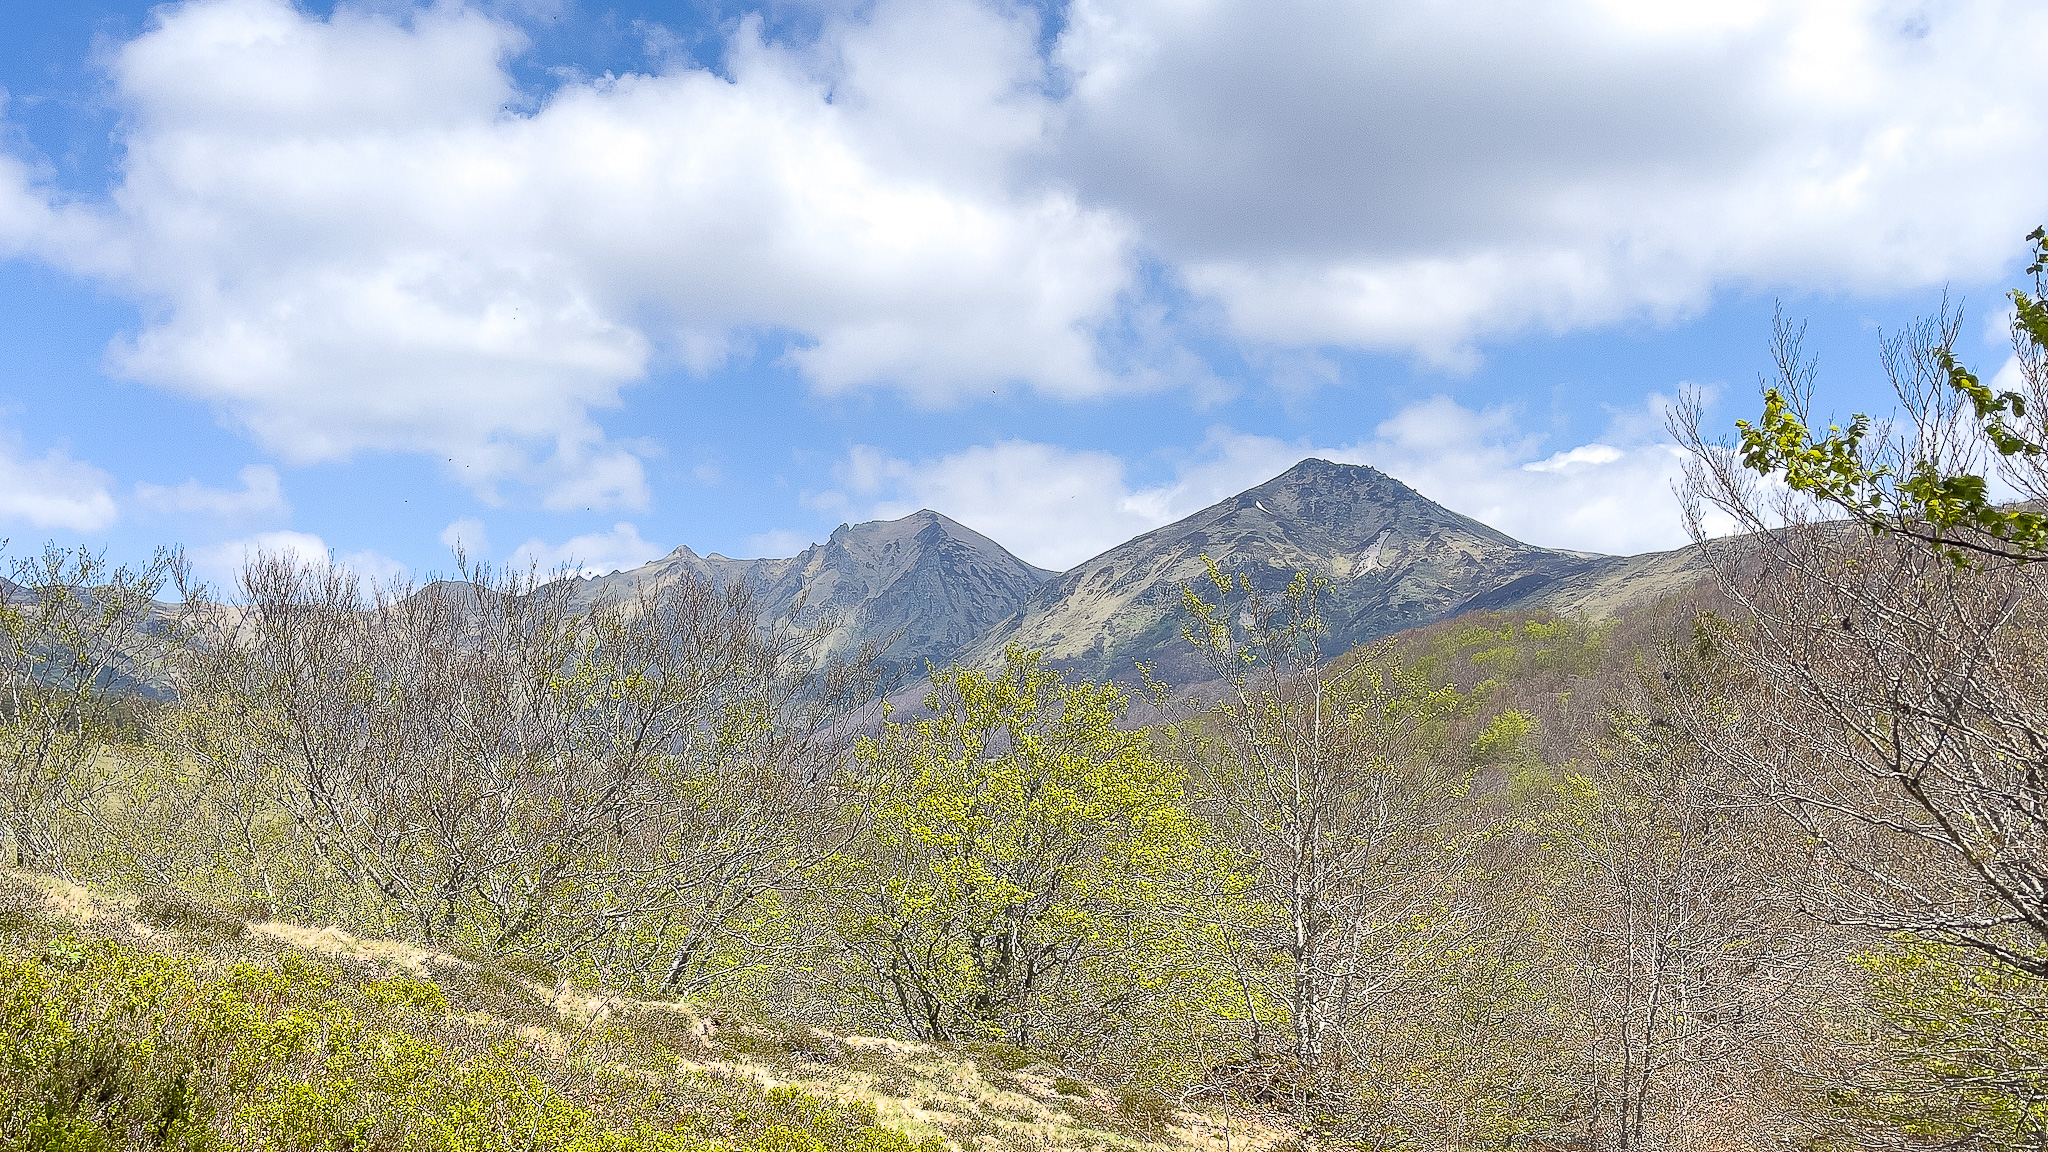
80, 641
478, 761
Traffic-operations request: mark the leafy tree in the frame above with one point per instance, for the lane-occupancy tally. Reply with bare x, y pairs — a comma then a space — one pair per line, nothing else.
1968, 1053
1033, 873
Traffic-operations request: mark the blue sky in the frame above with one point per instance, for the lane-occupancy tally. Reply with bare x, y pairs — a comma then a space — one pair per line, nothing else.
575, 281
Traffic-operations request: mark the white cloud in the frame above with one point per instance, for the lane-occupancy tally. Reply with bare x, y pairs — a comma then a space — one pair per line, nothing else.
53, 491
1052, 506
353, 233
1056, 507
1613, 495
350, 240
467, 534
1577, 459
1418, 177
261, 494
375, 567
592, 554
221, 564
778, 543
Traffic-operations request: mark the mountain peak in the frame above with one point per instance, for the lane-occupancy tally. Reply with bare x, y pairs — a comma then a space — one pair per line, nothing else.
924, 583
1392, 558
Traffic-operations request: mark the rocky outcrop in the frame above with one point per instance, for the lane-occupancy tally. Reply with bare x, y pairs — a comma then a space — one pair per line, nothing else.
924, 584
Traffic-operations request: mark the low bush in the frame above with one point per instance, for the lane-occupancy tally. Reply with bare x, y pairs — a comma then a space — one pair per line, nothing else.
184, 912
105, 1045
1146, 1109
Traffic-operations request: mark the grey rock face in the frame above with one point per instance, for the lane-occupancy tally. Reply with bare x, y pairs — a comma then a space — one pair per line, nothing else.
926, 584
1394, 560
940, 593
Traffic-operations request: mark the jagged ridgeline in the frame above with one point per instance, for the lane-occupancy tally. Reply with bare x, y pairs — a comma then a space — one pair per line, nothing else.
925, 586
938, 592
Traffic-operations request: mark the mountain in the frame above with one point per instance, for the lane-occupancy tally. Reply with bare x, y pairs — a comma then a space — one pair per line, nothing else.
1604, 588
1394, 560
926, 584
935, 591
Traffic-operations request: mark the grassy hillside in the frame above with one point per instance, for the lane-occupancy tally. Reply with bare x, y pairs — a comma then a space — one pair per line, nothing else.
173, 1023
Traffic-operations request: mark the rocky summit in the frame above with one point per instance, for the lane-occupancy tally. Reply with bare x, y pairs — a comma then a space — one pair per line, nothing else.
937, 593
1393, 558
924, 585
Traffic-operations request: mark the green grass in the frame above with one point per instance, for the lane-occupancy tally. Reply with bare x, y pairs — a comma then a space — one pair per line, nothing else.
177, 1043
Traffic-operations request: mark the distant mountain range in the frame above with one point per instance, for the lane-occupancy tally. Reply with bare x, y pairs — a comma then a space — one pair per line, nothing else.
938, 593
934, 593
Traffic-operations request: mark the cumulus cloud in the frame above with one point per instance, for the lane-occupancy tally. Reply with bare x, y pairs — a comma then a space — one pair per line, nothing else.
467, 534
52, 491
778, 543
1053, 506
353, 233
592, 554
351, 240
261, 494
1056, 507
1416, 178
221, 564
1613, 495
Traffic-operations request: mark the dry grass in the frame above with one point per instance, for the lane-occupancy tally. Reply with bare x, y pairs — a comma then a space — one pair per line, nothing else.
972, 1098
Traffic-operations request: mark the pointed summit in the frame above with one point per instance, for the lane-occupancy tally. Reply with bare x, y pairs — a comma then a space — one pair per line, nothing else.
924, 584
1393, 558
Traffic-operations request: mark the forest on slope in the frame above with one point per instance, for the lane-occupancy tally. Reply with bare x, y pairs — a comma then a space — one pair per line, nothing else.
1758, 865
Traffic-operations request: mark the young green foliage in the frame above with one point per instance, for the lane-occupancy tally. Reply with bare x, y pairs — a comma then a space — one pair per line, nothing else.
106, 1046
1920, 494
1968, 1047
1033, 873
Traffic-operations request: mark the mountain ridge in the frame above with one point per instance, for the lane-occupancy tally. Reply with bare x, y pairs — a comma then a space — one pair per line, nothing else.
1393, 559
936, 592
923, 585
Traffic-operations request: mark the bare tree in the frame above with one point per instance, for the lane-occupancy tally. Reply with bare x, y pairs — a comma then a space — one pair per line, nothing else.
1903, 707
487, 764
80, 643
1895, 633
1677, 912
1329, 781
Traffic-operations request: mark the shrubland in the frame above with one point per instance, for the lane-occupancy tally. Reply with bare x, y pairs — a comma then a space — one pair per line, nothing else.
1756, 865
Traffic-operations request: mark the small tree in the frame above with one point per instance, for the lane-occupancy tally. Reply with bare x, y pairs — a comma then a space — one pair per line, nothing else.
81, 643
480, 761
1676, 916
1033, 873
1332, 782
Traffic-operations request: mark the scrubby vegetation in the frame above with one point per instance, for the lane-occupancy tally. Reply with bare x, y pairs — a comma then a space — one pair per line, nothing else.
1759, 865
115, 1043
